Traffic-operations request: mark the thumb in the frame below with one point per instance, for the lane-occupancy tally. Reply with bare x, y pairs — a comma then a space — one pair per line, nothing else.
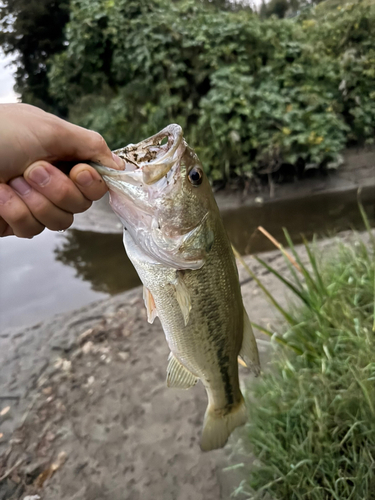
91, 146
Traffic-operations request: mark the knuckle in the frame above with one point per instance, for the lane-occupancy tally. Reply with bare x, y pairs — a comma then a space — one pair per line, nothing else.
20, 216
40, 208
97, 142
63, 193
6, 194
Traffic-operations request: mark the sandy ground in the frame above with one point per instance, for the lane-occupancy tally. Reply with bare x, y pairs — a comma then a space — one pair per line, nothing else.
90, 416
91, 401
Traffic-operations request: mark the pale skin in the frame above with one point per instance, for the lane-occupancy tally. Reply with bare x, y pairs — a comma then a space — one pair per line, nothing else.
34, 193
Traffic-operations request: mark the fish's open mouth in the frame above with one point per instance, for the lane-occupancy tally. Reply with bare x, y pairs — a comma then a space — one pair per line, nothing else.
149, 160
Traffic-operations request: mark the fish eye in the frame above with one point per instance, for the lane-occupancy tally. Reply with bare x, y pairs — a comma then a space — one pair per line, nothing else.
195, 176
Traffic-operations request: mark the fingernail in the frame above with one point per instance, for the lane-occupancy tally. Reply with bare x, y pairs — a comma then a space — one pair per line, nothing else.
119, 161
5, 196
20, 185
39, 175
84, 178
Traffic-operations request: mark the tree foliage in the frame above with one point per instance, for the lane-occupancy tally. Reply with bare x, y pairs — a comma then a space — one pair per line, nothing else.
33, 30
282, 8
250, 93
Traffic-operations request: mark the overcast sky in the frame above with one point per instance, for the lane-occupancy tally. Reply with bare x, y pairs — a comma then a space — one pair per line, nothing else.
7, 93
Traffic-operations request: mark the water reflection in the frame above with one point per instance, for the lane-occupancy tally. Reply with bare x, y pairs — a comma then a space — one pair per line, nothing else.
321, 214
98, 258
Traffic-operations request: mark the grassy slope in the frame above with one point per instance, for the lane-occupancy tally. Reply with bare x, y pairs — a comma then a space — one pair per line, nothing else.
312, 425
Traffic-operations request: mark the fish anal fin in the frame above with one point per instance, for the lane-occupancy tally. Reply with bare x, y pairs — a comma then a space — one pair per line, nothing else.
249, 350
182, 296
178, 376
218, 427
150, 305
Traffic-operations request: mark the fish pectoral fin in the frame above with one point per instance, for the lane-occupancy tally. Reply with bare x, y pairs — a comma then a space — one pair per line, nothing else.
182, 297
178, 376
249, 350
150, 305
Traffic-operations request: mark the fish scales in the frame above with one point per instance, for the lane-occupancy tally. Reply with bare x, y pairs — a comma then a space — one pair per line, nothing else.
200, 345
175, 238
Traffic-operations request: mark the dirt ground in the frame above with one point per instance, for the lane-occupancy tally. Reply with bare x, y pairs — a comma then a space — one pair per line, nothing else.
85, 413
91, 417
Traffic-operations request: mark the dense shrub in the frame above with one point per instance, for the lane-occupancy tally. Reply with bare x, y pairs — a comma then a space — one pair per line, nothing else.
250, 93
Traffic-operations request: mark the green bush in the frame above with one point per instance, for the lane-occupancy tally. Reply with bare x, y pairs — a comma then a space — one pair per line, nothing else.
249, 93
312, 419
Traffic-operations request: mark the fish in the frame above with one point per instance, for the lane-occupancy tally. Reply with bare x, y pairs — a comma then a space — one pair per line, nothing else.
176, 240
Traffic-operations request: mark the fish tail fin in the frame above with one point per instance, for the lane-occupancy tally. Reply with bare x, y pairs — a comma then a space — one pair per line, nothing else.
217, 428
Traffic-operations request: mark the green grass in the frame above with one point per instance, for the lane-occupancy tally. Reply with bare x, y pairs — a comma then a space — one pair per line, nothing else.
312, 417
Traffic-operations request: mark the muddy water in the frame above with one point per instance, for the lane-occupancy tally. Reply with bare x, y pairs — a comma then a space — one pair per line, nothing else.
322, 214
58, 272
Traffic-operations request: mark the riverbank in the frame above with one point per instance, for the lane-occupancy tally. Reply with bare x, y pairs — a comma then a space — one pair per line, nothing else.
357, 171
90, 415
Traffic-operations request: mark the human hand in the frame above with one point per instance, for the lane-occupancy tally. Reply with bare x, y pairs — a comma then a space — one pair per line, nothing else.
34, 193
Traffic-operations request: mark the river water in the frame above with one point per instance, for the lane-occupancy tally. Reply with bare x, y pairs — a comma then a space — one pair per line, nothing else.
57, 272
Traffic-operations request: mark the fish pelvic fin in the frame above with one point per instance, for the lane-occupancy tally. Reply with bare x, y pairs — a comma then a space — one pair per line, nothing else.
217, 426
249, 350
178, 376
150, 305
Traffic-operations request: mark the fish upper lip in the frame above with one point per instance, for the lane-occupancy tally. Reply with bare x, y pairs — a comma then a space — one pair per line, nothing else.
148, 171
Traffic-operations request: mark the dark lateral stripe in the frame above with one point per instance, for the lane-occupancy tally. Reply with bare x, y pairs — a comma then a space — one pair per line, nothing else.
223, 361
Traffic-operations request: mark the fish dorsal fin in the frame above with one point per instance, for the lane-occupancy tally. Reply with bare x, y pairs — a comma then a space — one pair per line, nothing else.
182, 296
249, 349
178, 376
150, 305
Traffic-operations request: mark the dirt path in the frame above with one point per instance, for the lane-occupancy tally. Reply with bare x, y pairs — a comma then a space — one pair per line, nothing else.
93, 418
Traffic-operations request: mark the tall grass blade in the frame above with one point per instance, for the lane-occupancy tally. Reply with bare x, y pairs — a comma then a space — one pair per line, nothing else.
286, 282
305, 272
282, 311
280, 247
314, 265
278, 339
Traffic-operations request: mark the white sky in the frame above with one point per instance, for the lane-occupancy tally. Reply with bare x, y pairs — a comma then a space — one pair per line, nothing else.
7, 93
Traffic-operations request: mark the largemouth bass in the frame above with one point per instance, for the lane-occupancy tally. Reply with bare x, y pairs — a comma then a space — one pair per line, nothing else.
175, 238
